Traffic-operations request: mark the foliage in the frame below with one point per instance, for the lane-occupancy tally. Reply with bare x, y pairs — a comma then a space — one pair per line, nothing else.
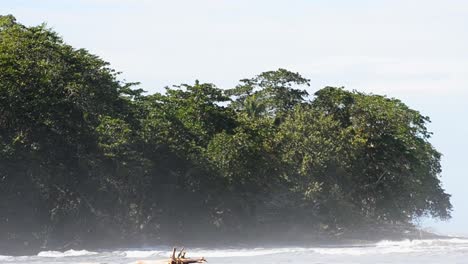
82, 152
270, 93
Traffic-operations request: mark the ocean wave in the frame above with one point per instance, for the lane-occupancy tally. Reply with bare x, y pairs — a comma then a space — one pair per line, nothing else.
402, 246
142, 253
68, 253
245, 252
422, 242
382, 247
210, 253
434, 246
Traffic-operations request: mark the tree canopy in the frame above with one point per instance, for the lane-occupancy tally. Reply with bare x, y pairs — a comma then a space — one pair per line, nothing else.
85, 156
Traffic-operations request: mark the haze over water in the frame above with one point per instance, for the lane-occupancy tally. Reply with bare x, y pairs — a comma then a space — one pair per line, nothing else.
453, 250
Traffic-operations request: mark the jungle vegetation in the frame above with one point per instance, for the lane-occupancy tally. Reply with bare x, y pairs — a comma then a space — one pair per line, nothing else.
85, 156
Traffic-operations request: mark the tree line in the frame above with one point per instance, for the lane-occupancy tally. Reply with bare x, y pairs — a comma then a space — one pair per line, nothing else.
85, 156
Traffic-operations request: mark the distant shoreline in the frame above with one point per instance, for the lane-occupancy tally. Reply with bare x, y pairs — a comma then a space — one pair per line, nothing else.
279, 239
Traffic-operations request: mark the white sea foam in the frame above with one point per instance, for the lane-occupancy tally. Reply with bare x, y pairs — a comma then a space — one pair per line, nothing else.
142, 253
212, 253
68, 253
433, 244
245, 252
403, 246
149, 262
382, 247
432, 251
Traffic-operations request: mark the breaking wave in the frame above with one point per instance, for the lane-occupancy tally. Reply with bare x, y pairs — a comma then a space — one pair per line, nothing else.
142, 253
437, 249
382, 247
68, 253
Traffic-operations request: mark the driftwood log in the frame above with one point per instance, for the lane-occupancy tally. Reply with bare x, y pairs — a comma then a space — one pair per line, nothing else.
181, 259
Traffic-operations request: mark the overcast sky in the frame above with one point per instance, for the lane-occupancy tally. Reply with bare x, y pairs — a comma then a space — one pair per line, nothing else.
414, 50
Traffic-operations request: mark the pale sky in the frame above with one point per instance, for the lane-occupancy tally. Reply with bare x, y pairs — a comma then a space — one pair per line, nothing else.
414, 50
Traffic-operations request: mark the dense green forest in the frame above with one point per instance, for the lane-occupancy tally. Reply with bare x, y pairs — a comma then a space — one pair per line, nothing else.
87, 157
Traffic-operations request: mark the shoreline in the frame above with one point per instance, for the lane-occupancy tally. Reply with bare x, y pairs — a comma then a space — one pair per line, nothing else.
279, 239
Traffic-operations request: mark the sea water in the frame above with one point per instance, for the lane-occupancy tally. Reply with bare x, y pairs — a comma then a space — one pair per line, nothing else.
453, 250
